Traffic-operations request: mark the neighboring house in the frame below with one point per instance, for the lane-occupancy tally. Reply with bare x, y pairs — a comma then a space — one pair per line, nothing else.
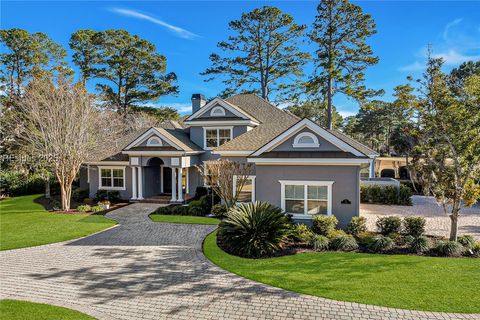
297, 165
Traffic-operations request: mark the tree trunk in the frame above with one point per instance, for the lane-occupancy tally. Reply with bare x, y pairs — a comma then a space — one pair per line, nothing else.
454, 224
47, 188
329, 104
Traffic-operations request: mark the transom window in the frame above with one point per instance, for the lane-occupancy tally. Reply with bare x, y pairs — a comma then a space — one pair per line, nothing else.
307, 197
217, 112
215, 137
112, 178
247, 194
305, 140
154, 141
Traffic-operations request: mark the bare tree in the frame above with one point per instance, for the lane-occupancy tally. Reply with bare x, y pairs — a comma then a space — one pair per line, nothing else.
62, 127
219, 175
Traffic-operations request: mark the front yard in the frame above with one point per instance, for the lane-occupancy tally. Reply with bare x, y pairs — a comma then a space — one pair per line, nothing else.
399, 281
23, 310
25, 223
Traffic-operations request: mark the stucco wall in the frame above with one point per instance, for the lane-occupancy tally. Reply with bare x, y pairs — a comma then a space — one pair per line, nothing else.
124, 194
346, 185
196, 133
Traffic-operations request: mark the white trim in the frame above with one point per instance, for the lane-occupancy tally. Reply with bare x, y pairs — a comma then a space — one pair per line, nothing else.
134, 183
100, 187
180, 185
155, 132
187, 181
306, 123
150, 144
232, 153
161, 178
215, 128
161, 153
213, 112
88, 173
140, 183
221, 122
224, 104
328, 184
309, 161
297, 144
174, 184
251, 177
108, 163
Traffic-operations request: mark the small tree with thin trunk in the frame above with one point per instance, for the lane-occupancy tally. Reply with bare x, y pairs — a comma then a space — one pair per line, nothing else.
218, 174
62, 126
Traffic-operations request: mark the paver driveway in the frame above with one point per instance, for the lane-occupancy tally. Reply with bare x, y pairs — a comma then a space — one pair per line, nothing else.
146, 270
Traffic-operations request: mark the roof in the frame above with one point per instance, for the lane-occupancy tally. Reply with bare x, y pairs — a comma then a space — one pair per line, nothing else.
113, 153
352, 142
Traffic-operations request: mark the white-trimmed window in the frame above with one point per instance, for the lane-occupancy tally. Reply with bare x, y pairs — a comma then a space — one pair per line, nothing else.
111, 178
247, 194
307, 197
215, 137
306, 140
217, 112
154, 142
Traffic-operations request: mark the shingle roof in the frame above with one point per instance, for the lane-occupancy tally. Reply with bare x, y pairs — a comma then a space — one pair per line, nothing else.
352, 142
113, 152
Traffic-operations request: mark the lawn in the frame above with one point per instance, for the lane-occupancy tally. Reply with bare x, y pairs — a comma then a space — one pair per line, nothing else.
23, 310
24, 223
399, 281
183, 219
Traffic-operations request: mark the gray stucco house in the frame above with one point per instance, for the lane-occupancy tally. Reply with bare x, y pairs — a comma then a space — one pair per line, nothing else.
297, 165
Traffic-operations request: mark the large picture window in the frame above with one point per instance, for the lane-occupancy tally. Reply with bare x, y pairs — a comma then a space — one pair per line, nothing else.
215, 137
112, 178
307, 197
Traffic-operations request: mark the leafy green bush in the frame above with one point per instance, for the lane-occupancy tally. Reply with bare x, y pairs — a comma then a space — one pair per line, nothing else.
320, 243
301, 234
200, 192
111, 195
79, 194
16, 183
405, 195
356, 226
97, 208
364, 237
467, 241
323, 225
254, 230
447, 248
343, 243
389, 195
388, 225
475, 250
165, 210
219, 210
386, 194
180, 210
84, 208
398, 239
195, 211
417, 244
54, 204
414, 226
379, 244
335, 233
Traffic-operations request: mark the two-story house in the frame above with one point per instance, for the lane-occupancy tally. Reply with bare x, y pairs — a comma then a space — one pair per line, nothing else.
297, 165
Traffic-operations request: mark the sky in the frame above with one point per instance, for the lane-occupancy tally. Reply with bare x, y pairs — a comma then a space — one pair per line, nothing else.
187, 32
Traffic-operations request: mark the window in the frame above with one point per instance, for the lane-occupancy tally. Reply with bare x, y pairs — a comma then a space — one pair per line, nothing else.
217, 112
307, 197
306, 140
154, 141
247, 194
112, 178
215, 137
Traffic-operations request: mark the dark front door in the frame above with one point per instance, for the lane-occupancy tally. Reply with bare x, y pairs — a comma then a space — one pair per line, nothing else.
167, 180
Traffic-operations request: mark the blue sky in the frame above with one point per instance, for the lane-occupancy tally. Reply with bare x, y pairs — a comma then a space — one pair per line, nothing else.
186, 32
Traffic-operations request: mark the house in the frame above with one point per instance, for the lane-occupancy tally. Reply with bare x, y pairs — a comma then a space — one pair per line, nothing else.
297, 165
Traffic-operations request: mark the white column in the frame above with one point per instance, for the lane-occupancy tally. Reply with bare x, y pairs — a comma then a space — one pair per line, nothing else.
372, 168
187, 180
161, 178
180, 180
174, 183
140, 183
134, 183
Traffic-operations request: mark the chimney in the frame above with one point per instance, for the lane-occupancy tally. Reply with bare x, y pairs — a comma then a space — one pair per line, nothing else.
198, 101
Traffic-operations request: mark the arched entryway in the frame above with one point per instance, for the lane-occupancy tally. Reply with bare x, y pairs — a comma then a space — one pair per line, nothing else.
154, 181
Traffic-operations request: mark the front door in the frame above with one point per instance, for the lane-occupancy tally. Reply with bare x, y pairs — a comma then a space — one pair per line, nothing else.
167, 180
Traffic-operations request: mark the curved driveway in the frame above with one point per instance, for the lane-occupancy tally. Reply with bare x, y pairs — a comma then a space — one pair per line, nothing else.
145, 270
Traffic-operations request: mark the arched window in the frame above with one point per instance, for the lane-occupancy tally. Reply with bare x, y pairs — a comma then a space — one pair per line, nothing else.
217, 112
306, 140
154, 142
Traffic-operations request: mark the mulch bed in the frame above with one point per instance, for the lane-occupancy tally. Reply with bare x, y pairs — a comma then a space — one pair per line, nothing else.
75, 211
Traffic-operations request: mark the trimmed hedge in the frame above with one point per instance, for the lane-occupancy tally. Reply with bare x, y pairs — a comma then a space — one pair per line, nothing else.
386, 195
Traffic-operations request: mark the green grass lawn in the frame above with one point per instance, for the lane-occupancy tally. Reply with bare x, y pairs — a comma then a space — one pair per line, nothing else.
183, 219
399, 281
24, 223
23, 310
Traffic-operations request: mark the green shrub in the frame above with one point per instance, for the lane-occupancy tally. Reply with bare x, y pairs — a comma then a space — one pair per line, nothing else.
206, 203
55, 204
475, 250
195, 203
364, 237
111, 195
364, 194
343, 243
414, 226
97, 208
399, 239
165, 210
254, 230
335, 233
386, 194
389, 195
405, 195
324, 225
219, 210
195, 211
379, 244
417, 244
180, 210
320, 243
447, 248
467, 241
84, 208
78, 194
388, 225
200, 192
356, 226
301, 234
17, 183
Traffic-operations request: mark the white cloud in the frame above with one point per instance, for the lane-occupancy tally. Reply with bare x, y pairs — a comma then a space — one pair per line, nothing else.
135, 14
452, 57
345, 114
448, 27
416, 66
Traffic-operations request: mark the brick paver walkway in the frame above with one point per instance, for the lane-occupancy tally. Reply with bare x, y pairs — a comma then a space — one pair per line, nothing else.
146, 270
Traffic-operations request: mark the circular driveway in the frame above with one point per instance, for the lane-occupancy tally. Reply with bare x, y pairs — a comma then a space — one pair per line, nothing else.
145, 270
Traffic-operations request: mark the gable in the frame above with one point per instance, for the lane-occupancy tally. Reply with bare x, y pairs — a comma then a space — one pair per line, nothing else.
217, 111
153, 140
147, 140
312, 134
220, 110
